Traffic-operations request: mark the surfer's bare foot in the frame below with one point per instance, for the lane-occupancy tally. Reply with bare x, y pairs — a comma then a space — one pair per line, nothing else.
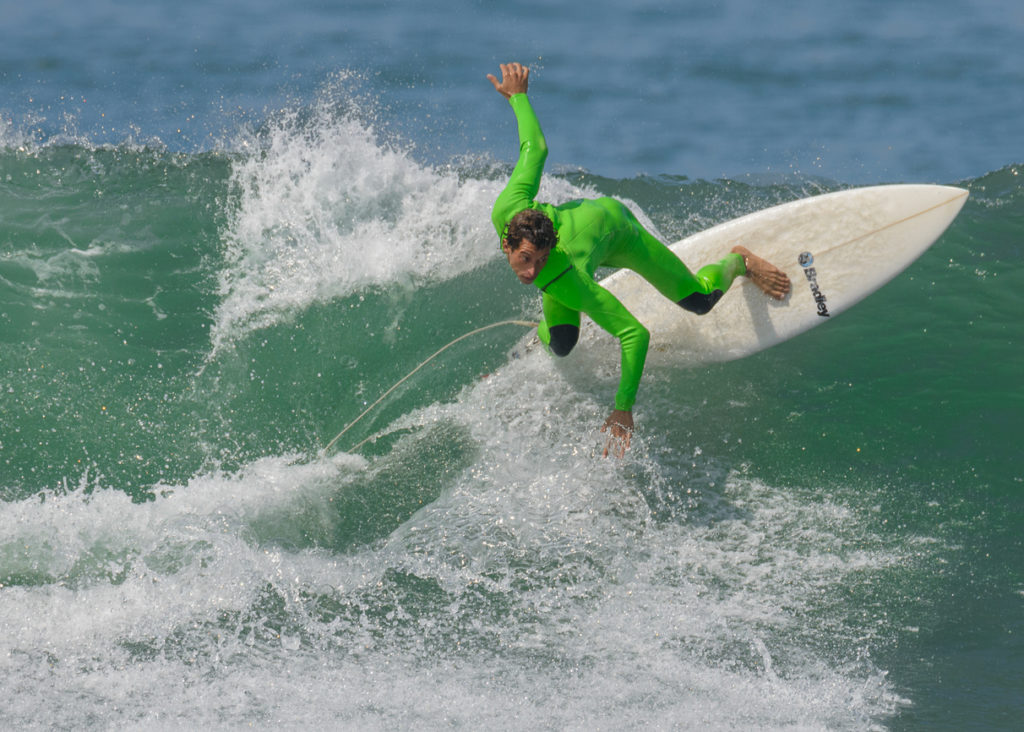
772, 280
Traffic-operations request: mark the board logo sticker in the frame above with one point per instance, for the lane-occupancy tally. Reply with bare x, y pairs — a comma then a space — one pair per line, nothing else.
806, 260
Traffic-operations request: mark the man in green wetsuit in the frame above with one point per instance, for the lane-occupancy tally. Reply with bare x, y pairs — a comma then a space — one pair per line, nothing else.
559, 248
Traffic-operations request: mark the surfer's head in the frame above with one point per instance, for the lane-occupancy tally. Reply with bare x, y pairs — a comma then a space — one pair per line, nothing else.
529, 238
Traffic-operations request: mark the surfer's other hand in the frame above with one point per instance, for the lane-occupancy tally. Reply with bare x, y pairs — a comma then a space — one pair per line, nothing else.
619, 425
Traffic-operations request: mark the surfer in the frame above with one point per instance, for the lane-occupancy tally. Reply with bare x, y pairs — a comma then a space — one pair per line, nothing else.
559, 248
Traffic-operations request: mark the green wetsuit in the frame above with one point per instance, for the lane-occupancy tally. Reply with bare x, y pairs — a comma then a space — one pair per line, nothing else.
594, 233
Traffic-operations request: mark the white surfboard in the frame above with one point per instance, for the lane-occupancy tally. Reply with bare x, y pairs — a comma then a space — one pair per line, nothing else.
837, 249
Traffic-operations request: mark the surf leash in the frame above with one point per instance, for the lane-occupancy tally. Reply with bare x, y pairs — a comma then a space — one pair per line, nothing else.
438, 352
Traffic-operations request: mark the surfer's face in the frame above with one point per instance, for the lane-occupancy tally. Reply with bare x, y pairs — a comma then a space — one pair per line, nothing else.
526, 260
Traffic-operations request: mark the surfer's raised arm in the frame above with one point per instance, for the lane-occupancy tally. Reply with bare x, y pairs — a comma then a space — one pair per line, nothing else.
524, 183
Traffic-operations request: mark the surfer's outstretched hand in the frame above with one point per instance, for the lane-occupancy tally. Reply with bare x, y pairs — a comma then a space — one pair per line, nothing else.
620, 425
515, 78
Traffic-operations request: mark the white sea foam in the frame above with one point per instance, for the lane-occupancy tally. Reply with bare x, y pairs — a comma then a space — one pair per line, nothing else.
323, 208
551, 598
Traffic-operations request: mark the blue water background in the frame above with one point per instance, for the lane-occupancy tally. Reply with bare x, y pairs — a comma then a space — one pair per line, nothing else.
864, 91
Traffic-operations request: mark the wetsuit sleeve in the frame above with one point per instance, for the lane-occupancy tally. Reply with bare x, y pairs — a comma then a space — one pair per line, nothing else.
524, 183
581, 293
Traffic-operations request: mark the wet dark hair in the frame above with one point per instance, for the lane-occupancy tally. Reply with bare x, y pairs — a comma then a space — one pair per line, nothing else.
533, 226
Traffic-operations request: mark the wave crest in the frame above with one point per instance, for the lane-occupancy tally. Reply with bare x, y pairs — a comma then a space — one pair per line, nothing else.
322, 209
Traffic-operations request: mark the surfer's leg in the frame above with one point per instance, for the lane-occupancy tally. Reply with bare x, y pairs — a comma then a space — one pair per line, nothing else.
643, 253
560, 328
715, 279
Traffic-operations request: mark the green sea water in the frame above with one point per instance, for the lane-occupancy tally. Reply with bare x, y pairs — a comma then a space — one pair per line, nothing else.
824, 535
